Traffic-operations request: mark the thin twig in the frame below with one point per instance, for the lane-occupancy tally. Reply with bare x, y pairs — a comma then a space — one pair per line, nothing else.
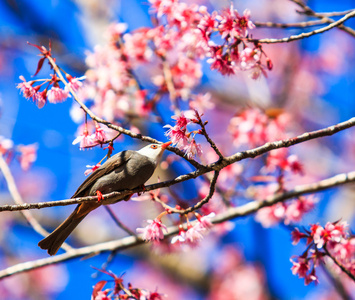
290, 25
323, 16
205, 134
118, 222
18, 199
305, 34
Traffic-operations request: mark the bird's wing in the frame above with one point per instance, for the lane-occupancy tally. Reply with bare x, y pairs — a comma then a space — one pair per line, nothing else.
111, 164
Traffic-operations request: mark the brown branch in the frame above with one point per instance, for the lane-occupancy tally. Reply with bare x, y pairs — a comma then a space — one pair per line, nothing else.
216, 166
335, 13
18, 199
205, 134
197, 205
290, 25
345, 270
231, 213
324, 16
305, 34
118, 222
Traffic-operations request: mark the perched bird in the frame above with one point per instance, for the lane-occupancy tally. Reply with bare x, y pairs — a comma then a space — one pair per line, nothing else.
124, 171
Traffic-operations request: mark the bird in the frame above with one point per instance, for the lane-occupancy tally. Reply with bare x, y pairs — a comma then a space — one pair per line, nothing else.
125, 170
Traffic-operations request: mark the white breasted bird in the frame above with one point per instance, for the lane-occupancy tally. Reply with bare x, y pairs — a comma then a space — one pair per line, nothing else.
124, 171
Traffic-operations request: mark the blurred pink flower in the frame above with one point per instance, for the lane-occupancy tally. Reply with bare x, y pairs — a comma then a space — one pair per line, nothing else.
28, 155
85, 140
57, 95
153, 231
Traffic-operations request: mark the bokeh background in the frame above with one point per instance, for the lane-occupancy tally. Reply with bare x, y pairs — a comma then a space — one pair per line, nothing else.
313, 78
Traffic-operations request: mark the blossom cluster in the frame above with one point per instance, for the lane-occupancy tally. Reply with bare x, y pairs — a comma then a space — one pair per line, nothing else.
33, 89
183, 139
120, 292
332, 240
154, 231
87, 140
287, 212
171, 54
26, 154
191, 237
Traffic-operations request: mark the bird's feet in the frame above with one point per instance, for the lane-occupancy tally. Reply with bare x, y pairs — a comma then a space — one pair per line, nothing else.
99, 196
143, 187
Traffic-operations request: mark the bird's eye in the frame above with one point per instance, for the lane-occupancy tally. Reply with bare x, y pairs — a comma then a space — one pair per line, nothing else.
154, 146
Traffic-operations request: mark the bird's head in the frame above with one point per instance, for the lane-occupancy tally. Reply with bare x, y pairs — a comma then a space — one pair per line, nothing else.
154, 151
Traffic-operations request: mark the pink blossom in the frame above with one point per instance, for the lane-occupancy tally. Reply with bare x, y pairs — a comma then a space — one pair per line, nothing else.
330, 232
41, 98
244, 22
249, 57
208, 23
177, 136
92, 169
296, 236
136, 46
270, 216
181, 120
85, 140
193, 235
26, 88
297, 208
28, 155
75, 83
179, 239
57, 95
227, 27
300, 267
249, 127
153, 231
115, 30
220, 62
201, 102
345, 250
311, 277
204, 222
100, 134
192, 149
5, 145
102, 295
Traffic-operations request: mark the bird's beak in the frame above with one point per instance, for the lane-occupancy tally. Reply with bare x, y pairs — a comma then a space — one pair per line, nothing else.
163, 146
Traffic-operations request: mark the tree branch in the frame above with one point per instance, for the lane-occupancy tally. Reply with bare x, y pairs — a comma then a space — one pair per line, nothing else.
216, 166
305, 34
231, 213
325, 16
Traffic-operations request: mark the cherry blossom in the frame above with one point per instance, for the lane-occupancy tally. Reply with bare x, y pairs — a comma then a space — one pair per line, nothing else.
300, 267
28, 154
192, 149
153, 231
204, 222
100, 134
57, 95
85, 140
26, 88
296, 236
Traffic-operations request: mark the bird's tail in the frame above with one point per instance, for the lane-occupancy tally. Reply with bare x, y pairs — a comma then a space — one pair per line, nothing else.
54, 241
